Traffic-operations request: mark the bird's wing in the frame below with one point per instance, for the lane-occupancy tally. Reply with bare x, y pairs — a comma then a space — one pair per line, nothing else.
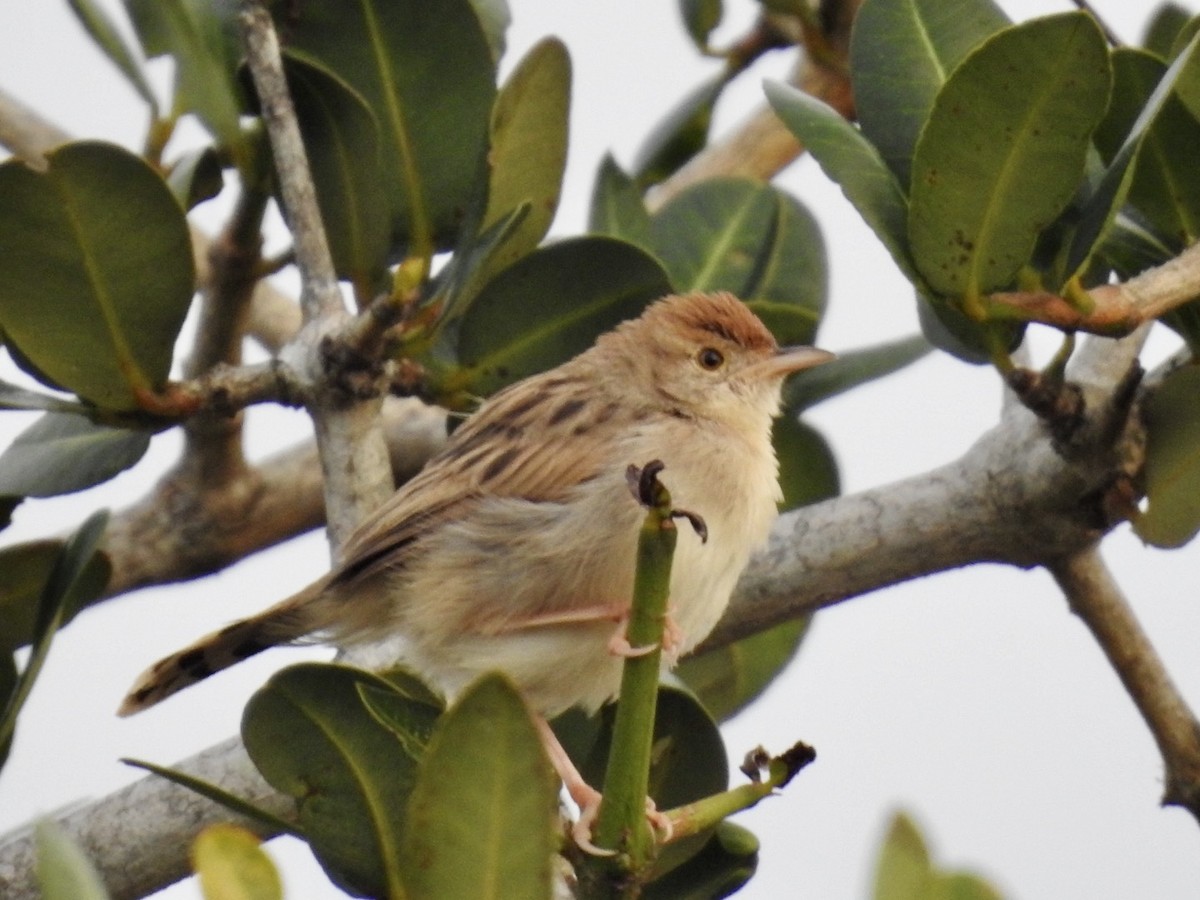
534, 441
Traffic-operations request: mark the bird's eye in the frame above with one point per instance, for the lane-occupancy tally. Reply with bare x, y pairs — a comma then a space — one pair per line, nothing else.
710, 358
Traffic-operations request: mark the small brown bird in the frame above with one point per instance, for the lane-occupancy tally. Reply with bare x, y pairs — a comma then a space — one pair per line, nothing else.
514, 549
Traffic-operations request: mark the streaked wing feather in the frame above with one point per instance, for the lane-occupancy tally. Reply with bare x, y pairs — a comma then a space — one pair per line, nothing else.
535, 440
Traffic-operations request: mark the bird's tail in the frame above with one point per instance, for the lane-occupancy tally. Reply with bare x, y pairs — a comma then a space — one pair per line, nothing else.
282, 623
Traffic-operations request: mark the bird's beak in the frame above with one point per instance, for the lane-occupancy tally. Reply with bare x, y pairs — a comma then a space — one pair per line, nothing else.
788, 360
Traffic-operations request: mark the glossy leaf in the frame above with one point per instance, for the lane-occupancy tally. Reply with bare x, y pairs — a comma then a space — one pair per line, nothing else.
24, 573
1167, 186
730, 678
68, 578
948, 328
426, 71
15, 397
901, 53
63, 870
808, 471
851, 369
1172, 515
700, 17
1187, 86
61, 453
104, 33
98, 271
342, 139
680, 135
231, 865
482, 816
1003, 151
1152, 131
528, 152
725, 864
904, 871
196, 177
1164, 27
201, 37
494, 17
551, 305
311, 737
617, 208
411, 720
9, 677
750, 239
853, 163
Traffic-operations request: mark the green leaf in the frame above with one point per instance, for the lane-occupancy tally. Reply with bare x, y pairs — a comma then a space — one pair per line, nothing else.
1188, 84
61, 453
529, 146
617, 208
1164, 27
903, 870
311, 737
341, 136
1172, 515
15, 397
808, 471
1162, 127
723, 867
700, 17
494, 17
201, 36
231, 865
1150, 130
901, 53
9, 678
196, 177
482, 816
730, 678
411, 720
63, 870
549, 306
680, 135
97, 271
1003, 151
850, 370
69, 577
752, 240
103, 31
426, 72
24, 573
853, 163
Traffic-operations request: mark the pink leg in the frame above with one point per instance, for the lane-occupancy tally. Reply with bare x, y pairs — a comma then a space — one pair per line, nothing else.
672, 640
587, 798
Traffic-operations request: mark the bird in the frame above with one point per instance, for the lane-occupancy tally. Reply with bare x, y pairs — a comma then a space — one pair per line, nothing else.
514, 549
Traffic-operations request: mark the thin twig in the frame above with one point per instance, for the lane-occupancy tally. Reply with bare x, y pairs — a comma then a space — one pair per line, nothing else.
1097, 599
1115, 309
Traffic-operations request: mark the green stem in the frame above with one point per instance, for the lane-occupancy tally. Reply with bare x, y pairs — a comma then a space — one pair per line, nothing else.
621, 824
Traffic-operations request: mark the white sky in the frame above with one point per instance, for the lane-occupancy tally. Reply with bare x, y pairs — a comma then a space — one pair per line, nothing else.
973, 699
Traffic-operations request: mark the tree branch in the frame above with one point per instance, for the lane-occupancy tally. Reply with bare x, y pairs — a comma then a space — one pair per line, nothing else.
354, 460
1097, 599
138, 837
1115, 309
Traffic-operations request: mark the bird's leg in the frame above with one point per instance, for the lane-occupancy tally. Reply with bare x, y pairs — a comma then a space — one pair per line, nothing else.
672, 641
587, 798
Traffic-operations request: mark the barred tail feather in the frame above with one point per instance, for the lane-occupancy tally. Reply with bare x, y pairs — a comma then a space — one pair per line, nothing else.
285, 622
